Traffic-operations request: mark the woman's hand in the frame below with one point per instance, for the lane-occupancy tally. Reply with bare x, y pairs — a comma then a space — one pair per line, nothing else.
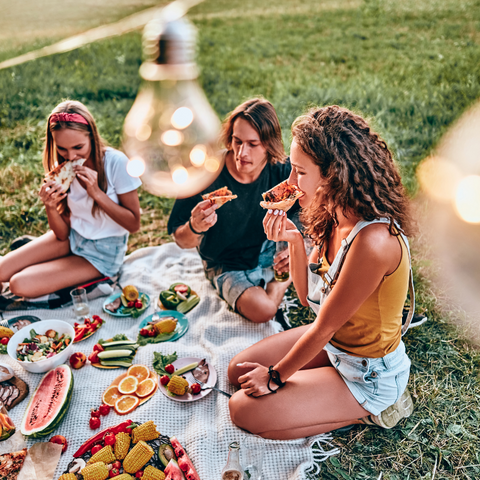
255, 382
51, 194
204, 216
89, 178
279, 228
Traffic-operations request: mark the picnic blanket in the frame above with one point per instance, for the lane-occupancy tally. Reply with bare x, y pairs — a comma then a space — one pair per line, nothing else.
216, 333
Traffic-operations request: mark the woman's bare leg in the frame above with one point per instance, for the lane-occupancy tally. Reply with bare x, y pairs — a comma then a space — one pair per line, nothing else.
42, 249
48, 277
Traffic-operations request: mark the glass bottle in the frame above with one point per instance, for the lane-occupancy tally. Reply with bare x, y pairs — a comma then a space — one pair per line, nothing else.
233, 470
280, 277
7, 427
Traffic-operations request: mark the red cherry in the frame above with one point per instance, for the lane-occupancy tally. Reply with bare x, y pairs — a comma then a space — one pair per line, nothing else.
94, 423
104, 409
170, 368
164, 379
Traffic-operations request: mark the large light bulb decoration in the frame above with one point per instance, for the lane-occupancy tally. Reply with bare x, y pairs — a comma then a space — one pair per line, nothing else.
171, 131
451, 180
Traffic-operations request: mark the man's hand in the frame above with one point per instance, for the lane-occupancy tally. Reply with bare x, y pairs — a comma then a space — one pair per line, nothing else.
203, 216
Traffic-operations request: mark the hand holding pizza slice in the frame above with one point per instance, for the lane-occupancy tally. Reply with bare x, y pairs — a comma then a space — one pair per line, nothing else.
64, 173
219, 196
281, 197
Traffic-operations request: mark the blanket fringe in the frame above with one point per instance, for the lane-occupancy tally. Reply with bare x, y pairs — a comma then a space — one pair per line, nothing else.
319, 453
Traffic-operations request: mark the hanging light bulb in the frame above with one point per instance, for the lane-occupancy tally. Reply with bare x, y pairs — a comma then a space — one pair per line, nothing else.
171, 131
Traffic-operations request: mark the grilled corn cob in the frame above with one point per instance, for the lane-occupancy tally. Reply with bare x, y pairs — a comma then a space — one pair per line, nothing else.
137, 457
145, 431
104, 455
177, 385
6, 332
95, 471
165, 326
124, 476
122, 444
67, 476
152, 473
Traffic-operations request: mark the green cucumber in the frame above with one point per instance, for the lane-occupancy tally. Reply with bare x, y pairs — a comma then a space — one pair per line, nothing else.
114, 353
118, 362
119, 343
186, 306
186, 368
123, 347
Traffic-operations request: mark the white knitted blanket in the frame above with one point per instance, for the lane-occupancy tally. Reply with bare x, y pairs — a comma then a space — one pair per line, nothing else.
203, 427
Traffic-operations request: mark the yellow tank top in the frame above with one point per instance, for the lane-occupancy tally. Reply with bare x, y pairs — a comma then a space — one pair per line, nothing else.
375, 329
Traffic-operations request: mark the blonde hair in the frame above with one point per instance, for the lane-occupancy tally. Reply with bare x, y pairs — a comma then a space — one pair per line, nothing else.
51, 157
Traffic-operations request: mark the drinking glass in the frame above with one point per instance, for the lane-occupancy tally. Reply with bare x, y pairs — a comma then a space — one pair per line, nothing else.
253, 451
80, 303
280, 277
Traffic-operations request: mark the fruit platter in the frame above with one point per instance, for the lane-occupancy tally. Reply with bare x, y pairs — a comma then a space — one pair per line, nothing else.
164, 326
127, 451
179, 297
87, 329
127, 303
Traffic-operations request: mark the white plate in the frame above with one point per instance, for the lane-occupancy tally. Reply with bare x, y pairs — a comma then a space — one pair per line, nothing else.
188, 397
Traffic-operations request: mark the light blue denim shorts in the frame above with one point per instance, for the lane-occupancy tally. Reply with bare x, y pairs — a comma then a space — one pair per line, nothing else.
230, 285
376, 383
105, 254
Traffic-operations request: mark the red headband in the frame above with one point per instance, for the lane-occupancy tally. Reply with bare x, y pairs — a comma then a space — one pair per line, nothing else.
67, 117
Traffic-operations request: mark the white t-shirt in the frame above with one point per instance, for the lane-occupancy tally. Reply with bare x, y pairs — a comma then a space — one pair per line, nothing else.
80, 203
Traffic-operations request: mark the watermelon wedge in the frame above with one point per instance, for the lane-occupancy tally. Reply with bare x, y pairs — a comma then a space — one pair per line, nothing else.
184, 461
173, 472
49, 403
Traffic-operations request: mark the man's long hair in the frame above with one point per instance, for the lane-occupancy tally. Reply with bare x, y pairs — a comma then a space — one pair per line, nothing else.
358, 169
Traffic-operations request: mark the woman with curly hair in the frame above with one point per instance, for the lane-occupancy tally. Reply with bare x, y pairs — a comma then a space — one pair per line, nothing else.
349, 366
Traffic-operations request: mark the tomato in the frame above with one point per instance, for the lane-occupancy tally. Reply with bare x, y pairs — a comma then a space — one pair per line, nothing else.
94, 423
152, 333
138, 304
117, 464
139, 474
144, 332
98, 348
95, 413
109, 438
96, 448
164, 379
93, 357
104, 409
170, 368
61, 440
130, 304
196, 388
4, 340
114, 472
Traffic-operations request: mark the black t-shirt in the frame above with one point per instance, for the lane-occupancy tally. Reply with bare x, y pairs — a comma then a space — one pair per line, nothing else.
235, 241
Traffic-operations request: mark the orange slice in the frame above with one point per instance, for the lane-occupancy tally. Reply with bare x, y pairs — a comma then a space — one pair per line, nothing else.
145, 388
141, 372
126, 403
128, 385
111, 395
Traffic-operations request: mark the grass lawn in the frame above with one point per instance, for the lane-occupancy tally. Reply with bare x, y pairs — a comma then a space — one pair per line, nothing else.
412, 67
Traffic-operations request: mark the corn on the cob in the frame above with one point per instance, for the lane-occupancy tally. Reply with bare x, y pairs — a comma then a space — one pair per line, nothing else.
137, 457
165, 326
152, 473
95, 471
104, 455
6, 332
122, 444
124, 476
177, 385
145, 431
67, 476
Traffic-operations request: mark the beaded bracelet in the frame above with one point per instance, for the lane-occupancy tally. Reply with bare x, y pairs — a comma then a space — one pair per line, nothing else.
275, 378
192, 229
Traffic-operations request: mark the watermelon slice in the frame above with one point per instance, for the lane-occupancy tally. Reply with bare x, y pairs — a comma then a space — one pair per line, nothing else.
49, 403
173, 472
184, 461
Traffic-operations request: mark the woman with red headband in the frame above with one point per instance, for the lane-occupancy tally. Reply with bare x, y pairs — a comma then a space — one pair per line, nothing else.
90, 222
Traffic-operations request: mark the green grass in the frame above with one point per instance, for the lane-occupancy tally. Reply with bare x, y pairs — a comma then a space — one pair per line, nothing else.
412, 67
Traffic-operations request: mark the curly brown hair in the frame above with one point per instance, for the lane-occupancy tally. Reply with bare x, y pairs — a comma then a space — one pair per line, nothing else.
261, 115
359, 171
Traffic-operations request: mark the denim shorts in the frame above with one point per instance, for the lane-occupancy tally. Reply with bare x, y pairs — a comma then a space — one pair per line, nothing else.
105, 254
230, 285
376, 383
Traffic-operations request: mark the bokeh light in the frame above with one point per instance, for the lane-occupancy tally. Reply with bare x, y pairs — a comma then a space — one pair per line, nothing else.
136, 167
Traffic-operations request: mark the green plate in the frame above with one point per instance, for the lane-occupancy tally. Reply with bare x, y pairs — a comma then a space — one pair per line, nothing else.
119, 312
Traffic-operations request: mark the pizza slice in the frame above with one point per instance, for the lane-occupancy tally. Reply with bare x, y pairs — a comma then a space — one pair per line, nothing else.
219, 196
64, 174
11, 464
281, 197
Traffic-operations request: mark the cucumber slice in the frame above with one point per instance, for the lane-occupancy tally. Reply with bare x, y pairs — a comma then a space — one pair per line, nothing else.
118, 362
186, 368
106, 354
185, 307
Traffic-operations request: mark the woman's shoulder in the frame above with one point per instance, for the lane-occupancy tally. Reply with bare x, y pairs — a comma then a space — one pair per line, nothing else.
112, 155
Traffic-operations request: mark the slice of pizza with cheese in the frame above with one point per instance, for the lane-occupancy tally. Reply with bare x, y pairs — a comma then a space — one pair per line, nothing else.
11, 464
281, 197
219, 196
64, 173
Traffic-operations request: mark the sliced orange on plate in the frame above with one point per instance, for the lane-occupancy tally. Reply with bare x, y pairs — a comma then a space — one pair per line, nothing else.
111, 395
141, 372
146, 387
126, 403
128, 385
